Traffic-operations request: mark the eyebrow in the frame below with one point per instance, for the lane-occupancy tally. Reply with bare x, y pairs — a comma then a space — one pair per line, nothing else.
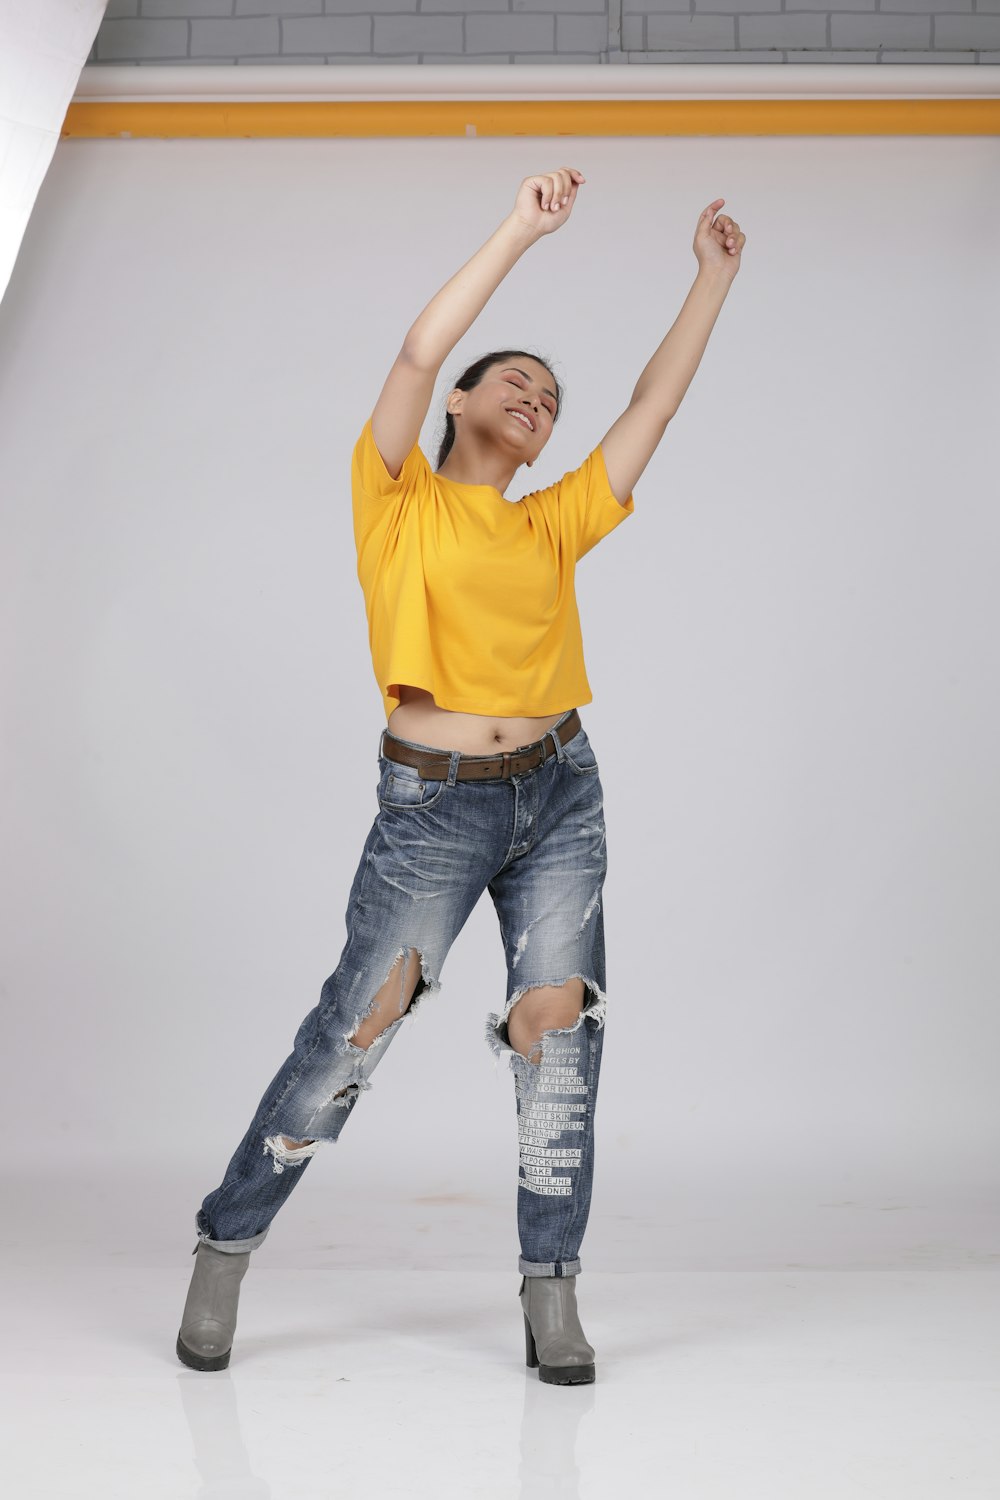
528, 379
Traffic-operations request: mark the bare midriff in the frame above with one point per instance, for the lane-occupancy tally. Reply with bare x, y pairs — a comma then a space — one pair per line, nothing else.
419, 718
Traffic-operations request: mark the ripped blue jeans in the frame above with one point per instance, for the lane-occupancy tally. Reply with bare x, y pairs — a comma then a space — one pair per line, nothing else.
536, 842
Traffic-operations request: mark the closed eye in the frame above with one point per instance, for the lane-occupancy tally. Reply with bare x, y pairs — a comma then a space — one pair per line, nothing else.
520, 387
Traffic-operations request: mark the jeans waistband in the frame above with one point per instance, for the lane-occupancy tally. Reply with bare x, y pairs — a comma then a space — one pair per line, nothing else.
455, 765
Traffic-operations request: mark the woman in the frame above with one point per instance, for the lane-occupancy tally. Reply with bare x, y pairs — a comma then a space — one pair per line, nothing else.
487, 780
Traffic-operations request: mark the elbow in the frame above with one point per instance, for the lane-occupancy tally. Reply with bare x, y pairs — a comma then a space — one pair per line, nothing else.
419, 357
666, 408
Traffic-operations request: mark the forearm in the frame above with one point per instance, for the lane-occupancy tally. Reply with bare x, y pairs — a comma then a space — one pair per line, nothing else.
671, 369
450, 314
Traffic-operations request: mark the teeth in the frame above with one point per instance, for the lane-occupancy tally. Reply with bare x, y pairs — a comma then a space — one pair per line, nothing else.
523, 419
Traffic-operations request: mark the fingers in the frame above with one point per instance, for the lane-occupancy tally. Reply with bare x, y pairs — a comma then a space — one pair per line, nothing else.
557, 185
561, 187
731, 237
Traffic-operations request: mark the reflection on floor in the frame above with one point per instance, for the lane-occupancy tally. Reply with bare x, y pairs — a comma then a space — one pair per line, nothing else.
787, 1349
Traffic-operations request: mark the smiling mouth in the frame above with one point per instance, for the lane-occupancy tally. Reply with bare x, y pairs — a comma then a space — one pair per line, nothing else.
520, 417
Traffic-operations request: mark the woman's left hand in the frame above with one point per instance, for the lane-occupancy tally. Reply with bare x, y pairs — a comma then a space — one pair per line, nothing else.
718, 243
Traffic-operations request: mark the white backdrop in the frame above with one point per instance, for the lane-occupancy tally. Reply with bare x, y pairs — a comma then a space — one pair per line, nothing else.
793, 646
43, 44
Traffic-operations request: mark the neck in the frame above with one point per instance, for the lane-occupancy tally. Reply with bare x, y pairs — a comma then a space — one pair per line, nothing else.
485, 466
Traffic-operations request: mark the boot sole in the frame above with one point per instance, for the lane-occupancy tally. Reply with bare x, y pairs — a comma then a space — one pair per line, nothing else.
201, 1361
567, 1374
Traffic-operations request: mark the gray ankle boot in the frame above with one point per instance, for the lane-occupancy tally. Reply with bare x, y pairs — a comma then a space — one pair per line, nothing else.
553, 1338
208, 1322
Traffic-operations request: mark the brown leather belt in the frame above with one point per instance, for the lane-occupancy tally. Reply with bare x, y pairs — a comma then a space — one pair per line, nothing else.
435, 764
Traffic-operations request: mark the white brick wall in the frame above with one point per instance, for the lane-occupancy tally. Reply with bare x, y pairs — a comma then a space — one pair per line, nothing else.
527, 31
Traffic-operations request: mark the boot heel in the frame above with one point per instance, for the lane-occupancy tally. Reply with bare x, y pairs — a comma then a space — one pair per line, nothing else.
530, 1356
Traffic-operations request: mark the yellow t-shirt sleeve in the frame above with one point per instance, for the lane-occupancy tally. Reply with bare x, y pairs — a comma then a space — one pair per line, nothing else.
588, 506
370, 473
377, 499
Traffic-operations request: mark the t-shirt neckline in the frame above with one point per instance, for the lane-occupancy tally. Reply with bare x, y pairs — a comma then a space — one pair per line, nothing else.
458, 485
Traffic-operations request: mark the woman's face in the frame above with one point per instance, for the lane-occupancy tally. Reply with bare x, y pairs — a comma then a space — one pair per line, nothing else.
522, 385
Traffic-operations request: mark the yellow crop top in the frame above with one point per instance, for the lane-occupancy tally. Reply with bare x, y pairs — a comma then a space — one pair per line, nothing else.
471, 596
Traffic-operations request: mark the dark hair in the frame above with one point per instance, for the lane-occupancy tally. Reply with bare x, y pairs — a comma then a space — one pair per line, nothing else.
471, 377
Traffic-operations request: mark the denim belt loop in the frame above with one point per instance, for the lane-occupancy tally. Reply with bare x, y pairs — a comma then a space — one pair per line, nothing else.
381, 745
456, 756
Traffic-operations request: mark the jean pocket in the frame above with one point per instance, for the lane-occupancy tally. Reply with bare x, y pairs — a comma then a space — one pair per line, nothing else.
400, 786
580, 755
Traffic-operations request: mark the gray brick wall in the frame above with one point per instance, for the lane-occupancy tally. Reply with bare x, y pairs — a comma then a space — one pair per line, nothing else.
535, 31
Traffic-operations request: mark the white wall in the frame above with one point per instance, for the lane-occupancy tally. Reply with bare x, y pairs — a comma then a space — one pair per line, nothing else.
793, 646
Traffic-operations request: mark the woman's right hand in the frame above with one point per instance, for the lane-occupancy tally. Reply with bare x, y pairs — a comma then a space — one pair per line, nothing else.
545, 202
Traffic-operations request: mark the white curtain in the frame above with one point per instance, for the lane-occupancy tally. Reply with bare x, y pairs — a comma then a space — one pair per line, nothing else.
43, 44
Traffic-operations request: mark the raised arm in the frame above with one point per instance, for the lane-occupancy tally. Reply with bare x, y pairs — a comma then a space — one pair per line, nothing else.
543, 204
632, 440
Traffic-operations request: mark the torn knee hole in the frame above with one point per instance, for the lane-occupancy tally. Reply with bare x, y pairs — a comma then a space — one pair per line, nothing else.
404, 982
505, 1040
541, 1009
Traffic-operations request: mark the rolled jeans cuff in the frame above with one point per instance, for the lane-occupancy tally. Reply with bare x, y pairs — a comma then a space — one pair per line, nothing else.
234, 1247
548, 1268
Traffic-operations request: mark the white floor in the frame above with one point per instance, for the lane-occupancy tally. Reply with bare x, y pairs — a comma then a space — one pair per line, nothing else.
789, 1348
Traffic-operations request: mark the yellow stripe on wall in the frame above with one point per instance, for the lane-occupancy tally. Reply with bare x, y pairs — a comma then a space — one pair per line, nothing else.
251, 120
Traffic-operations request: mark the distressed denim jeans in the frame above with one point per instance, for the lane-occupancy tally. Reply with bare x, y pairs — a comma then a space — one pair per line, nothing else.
537, 843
